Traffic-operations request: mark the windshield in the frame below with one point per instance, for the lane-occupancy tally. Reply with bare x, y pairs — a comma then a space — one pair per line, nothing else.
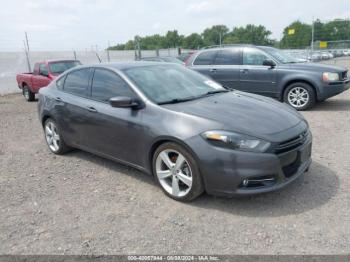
60, 67
171, 83
280, 56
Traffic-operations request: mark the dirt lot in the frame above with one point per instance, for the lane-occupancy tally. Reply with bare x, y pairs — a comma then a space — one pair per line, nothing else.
83, 204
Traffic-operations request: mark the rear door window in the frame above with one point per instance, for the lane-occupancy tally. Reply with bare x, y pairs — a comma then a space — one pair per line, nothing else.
228, 57
77, 82
206, 58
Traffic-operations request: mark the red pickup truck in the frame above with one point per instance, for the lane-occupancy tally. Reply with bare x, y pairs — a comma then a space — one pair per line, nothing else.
44, 72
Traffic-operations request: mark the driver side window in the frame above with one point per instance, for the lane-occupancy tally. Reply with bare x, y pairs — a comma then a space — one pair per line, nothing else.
252, 56
107, 84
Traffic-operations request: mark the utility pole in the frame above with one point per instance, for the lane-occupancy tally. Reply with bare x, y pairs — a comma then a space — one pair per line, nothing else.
312, 37
26, 50
108, 57
27, 41
220, 39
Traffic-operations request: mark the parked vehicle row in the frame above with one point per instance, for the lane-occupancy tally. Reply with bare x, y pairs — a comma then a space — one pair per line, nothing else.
315, 56
43, 73
189, 132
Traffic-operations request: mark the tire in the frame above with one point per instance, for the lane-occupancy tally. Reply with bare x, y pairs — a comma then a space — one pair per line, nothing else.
56, 144
28, 95
188, 171
300, 95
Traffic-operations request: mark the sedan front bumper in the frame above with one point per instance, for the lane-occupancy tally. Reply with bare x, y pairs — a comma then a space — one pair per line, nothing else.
229, 172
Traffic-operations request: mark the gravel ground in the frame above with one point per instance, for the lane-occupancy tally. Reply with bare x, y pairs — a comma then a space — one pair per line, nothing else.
83, 204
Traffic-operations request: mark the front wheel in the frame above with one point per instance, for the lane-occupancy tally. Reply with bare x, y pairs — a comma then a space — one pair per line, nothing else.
177, 173
28, 95
301, 96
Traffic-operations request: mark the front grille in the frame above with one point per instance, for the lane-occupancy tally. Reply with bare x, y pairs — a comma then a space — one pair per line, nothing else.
292, 143
344, 75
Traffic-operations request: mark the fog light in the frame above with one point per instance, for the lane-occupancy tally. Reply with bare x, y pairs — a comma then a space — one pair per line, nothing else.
245, 182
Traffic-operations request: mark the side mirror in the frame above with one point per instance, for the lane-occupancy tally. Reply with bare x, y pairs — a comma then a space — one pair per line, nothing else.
269, 63
125, 102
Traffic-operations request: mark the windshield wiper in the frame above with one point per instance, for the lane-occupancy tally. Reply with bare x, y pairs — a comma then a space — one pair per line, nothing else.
176, 100
217, 92
180, 100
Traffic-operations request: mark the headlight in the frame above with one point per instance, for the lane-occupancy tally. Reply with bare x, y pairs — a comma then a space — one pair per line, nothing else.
236, 141
329, 77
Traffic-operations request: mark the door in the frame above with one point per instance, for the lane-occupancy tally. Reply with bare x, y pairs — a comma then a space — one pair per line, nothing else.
254, 76
204, 61
113, 131
226, 67
72, 104
41, 79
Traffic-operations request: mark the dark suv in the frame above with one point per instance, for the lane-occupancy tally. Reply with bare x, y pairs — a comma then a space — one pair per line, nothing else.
270, 72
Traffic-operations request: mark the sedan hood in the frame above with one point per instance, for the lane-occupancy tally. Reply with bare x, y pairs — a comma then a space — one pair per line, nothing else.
317, 67
242, 112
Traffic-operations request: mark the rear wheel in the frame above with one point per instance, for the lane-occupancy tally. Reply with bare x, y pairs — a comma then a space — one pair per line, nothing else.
28, 95
177, 172
54, 138
301, 96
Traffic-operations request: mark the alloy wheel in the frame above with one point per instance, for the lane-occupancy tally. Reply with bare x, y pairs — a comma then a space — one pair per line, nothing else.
52, 136
174, 173
298, 97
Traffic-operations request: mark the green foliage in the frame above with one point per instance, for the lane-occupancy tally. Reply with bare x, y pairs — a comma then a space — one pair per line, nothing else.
301, 37
250, 34
193, 41
330, 31
211, 36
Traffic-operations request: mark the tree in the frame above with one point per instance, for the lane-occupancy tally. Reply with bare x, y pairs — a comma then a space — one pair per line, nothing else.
193, 41
300, 38
337, 30
211, 36
173, 39
250, 34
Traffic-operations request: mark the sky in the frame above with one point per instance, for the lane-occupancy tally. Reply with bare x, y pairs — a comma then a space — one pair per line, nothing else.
83, 24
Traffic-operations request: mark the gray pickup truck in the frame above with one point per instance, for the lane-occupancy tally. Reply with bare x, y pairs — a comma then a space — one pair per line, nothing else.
270, 72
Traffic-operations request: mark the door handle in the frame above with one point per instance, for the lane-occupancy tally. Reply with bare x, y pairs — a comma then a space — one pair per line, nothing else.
213, 70
58, 99
91, 109
244, 71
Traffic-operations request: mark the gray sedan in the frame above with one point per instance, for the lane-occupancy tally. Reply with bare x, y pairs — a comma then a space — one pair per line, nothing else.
178, 125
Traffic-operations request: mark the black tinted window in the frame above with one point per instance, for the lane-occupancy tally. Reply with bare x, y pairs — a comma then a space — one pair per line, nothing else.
107, 84
77, 82
228, 57
43, 70
253, 56
205, 58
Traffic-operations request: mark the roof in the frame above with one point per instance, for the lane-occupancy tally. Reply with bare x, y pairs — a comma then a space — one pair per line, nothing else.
57, 60
218, 47
127, 65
